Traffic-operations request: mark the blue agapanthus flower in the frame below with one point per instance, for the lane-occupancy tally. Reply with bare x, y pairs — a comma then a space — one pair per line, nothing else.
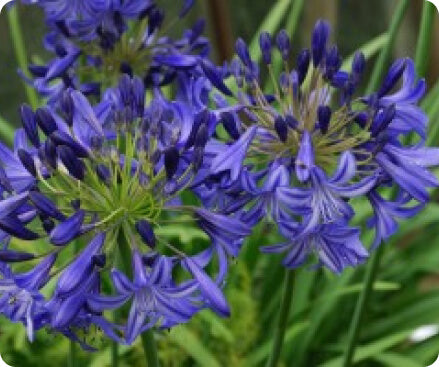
98, 186
95, 42
302, 152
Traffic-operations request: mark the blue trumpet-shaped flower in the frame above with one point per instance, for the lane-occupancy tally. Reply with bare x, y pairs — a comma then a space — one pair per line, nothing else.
21, 300
336, 246
156, 299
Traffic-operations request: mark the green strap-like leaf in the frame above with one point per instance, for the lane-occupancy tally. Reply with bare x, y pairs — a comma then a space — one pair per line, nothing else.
380, 65
20, 51
396, 360
372, 349
260, 354
188, 341
424, 38
369, 49
7, 131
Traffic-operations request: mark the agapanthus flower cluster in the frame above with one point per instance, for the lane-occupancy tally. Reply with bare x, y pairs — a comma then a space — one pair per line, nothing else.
305, 149
95, 42
96, 185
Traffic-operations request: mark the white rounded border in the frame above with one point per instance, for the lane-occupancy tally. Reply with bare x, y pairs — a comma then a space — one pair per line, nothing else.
435, 363
3, 363
436, 4
2, 4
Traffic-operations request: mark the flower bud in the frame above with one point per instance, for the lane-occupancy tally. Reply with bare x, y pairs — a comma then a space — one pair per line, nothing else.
319, 39
145, 231
324, 117
283, 44
281, 128
30, 124
67, 230
303, 60
45, 120
45, 205
27, 161
74, 165
229, 124
265, 45
172, 157
15, 256
243, 53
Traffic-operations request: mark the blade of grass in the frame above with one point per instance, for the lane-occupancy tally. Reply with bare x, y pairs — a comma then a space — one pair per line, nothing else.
189, 341
303, 286
396, 360
431, 98
20, 51
424, 38
380, 65
370, 350
284, 312
259, 354
318, 315
422, 310
354, 330
369, 49
293, 18
434, 125
7, 131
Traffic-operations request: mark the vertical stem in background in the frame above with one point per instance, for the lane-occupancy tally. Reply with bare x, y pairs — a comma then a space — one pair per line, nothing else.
20, 50
293, 19
149, 348
285, 307
72, 354
380, 65
354, 330
148, 342
424, 38
220, 17
114, 354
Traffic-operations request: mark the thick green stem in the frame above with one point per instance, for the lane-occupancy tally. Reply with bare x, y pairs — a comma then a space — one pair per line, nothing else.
114, 354
148, 342
355, 327
380, 65
72, 354
285, 307
150, 349
424, 38
20, 50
